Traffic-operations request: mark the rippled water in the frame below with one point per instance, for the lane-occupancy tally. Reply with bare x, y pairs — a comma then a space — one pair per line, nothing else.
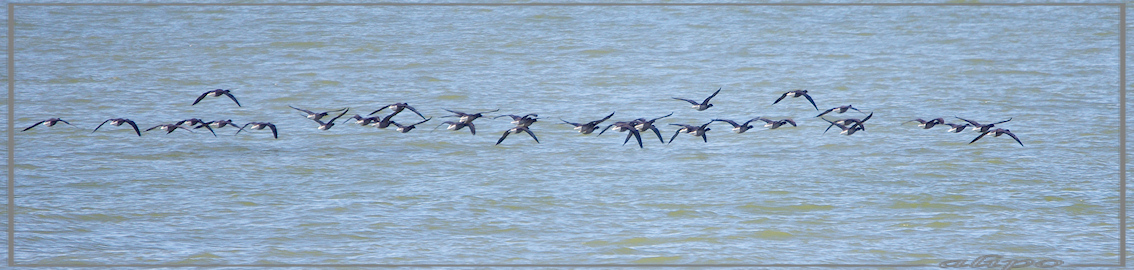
893, 194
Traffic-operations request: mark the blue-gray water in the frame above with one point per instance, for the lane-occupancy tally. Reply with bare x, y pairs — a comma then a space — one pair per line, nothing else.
893, 194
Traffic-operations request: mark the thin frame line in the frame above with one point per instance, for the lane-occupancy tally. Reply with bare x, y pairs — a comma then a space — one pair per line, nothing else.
11, 127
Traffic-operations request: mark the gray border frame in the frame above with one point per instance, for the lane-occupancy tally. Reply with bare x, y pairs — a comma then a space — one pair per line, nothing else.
11, 130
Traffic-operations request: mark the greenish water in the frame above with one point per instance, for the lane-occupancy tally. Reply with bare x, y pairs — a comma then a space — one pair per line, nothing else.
893, 194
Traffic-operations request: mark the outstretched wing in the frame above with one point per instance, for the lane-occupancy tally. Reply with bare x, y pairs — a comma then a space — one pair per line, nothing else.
569, 123
210, 129
503, 136
340, 115
608, 127
274, 133
688, 100
227, 93
529, 131
415, 111
674, 136
781, 98
1014, 137
378, 110
199, 98
302, 110
135, 126
657, 132
971, 122
1009, 119
711, 96
603, 119
36, 124
811, 100
422, 121
750, 121
825, 112
733, 123
637, 136
982, 136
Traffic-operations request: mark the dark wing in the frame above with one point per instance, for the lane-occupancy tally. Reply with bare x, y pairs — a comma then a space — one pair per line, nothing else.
152, 128
422, 121
711, 96
1009, 119
792, 122
829, 126
1013, 136
226, 93
340, 115
781, 98
688, 100
529, 131
603, 119
135, 126
503, 136
825, 112
36, 124
608, 127
872, 114
569, 123
656, 131
302, 110
242, 128
982, 135
655, 119
472, 128
65, 122
971, 122
705, 137
208, 127
376, 111
733, 123
415, 111
452, 111
274, 133
637, 135
396, 124
811, 100
175, 127
706, 124
750, 121
199, 98
766, 120
100, 125
355, 117
674, 136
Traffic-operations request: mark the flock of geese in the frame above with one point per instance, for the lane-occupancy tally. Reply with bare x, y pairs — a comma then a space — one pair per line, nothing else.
522, 123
